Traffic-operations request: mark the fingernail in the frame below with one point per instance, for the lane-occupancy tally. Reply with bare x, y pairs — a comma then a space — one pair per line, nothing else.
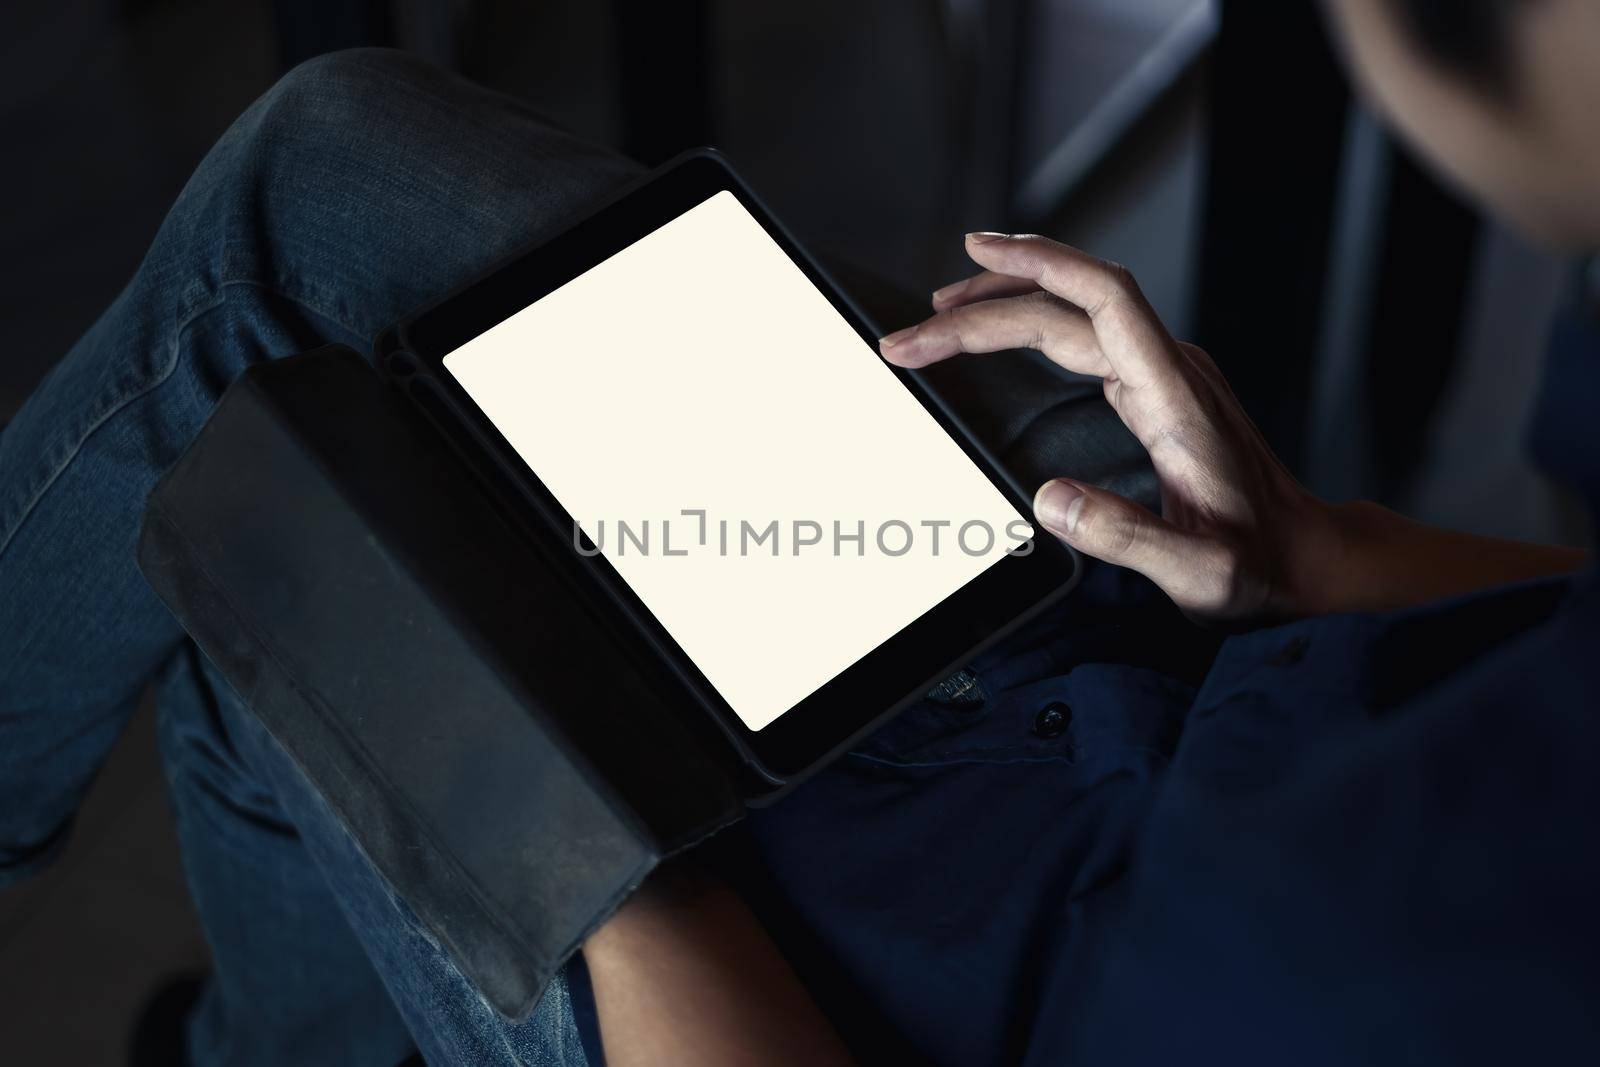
951, 291
1058, 505
896, 337
983, 237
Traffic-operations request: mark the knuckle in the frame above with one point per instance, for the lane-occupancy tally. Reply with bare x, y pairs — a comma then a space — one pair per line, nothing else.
1201, 360
1231, 574
1111, 530
1037, 310
1237, 576
1121, 280
954, 321
1184, 393
1111, 389
1118, 292
961, 324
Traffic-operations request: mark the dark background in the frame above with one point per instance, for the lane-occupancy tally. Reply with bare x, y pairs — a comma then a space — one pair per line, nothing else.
1383, 336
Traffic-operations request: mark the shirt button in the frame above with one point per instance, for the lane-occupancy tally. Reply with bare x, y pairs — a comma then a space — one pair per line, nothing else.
1052, 720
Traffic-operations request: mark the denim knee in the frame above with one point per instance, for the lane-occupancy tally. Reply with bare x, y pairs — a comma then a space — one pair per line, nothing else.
366, 182
299, 193
350, 79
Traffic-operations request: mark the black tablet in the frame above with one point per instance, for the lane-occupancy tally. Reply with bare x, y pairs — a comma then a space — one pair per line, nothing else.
800, 529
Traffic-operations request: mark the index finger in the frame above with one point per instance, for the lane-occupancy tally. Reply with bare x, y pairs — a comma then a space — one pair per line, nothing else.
1135, 343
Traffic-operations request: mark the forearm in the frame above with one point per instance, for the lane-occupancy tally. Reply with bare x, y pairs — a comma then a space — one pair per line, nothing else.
684, 973
1362, 557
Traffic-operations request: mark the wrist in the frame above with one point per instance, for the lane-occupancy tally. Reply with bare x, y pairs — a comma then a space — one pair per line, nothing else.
1322, 547
1368, 558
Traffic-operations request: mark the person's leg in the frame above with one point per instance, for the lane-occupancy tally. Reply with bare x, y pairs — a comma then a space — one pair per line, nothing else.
362, 185
291, 981
296, 901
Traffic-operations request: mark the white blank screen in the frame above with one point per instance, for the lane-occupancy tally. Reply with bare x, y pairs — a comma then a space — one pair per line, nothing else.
700, 369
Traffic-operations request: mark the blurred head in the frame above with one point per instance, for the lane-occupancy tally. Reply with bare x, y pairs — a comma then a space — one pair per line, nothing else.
1503, 96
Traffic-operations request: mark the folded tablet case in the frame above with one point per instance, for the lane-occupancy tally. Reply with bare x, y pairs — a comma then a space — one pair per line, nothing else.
508, 763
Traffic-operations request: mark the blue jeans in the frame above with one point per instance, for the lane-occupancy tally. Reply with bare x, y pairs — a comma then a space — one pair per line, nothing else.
362, 185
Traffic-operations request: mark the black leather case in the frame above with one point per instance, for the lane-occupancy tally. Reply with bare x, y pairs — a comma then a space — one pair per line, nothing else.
510, 766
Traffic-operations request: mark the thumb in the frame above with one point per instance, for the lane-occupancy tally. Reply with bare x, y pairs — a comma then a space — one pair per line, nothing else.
1116, 530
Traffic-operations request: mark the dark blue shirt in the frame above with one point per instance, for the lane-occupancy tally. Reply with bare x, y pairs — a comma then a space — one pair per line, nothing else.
1354, 839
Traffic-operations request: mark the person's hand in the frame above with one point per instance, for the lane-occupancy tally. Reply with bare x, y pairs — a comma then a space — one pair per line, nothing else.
1235, 528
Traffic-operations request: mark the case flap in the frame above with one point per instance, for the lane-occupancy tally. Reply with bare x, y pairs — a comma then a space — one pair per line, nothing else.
509, 767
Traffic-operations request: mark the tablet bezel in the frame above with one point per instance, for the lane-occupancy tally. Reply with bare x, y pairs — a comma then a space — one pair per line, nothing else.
882, 682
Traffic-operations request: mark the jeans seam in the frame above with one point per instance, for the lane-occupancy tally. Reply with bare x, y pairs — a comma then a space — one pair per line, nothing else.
123, 396
302, 302
28, 502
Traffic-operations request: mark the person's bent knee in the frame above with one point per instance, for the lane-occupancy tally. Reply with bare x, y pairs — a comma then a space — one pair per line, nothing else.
310, 132
356, 86
302, 183
365, 182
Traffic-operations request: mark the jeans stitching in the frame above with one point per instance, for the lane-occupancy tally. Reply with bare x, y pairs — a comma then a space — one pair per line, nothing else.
129, 389
125, 390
